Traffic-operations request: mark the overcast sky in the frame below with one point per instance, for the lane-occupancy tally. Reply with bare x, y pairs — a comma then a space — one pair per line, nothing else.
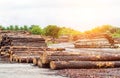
77, 14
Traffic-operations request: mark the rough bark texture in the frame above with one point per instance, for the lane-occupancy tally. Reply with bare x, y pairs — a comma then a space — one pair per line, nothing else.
47, 57
83, 64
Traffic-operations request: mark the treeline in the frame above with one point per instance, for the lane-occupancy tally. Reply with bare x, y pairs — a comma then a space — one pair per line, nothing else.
109, 29
56, 31
50, 30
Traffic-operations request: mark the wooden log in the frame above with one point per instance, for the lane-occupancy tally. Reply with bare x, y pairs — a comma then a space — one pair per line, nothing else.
26, 48
14, 58
19, 52
55, 49
47, 59
60, 53
83, 64
85, 52
35, 60
23, 60
29, 60
29, 44
41, 65
11, 58
27, 52
17, 59
36, 48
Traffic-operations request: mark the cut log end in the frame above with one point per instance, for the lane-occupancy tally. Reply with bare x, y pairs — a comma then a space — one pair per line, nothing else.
40, 63
34, 61
11, 58
44, 60
52, 65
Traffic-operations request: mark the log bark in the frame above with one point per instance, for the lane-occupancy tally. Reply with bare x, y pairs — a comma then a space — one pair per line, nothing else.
33, 49
59, 53
47, 59
83, 64
81, 53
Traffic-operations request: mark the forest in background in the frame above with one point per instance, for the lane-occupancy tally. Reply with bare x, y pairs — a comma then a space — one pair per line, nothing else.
56, 31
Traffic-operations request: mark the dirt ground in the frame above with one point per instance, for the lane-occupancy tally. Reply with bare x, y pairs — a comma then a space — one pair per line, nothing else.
90, 73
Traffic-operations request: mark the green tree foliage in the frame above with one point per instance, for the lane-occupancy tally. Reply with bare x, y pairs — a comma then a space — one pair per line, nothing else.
52, 30
115, 32
16, 27
101, 29
31, 26
12, 27
2, 28
36, 30
68, 31
8, 28
25, 27
21, 28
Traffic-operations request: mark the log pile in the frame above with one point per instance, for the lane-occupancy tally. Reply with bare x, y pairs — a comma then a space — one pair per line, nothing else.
13, 44
28, 54
117, 42
32, 49
83, 64
98, 41
23, 40
93, 43
63, 60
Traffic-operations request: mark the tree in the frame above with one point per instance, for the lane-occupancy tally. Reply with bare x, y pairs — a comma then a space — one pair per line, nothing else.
31, 26
36, 30
16, 27
25, 27
1, 27
8, 28
68, 31
21, 28
115, 31
11, 27
101, 29
52, 30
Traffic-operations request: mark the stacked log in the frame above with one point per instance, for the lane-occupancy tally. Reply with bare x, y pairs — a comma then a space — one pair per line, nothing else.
35, 60
23, 40
24, 48
67, 56
83, 64
38, 61
61, 60
41, 65
117, 40
30, 54
94, 43
24, 54
19, 40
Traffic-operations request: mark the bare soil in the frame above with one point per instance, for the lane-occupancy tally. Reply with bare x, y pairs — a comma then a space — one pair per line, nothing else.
90, 73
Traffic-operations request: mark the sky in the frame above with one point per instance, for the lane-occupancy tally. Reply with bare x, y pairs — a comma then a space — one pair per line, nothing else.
77, 14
